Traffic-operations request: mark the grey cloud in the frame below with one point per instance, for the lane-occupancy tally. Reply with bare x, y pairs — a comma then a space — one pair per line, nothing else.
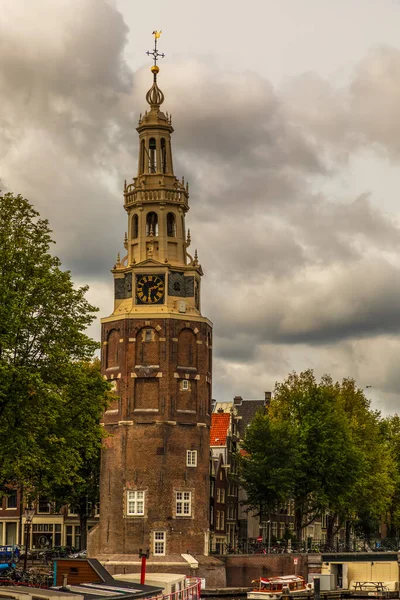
289, 269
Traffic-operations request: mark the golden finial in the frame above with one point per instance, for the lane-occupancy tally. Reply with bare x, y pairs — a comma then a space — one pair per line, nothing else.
188, 239
118, 260
154, 96
155, 54
196, 258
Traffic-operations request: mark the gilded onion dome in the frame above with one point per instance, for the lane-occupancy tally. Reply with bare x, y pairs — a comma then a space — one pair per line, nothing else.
154, 96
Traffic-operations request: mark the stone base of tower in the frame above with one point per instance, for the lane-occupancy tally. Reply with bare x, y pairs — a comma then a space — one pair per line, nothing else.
209, 568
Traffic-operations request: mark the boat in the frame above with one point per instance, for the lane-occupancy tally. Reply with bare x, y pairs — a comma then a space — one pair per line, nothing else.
271, 588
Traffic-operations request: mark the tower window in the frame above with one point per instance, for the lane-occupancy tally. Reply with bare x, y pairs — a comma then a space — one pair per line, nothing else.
185, 384
163, 156
159, 542
142, 155
135, 226
191, 458
135, 503
152, 156
171, 225
151, 224
183, 504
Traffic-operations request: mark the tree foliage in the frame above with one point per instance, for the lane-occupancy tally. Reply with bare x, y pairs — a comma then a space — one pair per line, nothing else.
333, 457
51, 395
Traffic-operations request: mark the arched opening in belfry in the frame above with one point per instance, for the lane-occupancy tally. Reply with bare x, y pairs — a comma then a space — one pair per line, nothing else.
142, 157
135, 226
151, 224
163, 156
171, 225
152, 156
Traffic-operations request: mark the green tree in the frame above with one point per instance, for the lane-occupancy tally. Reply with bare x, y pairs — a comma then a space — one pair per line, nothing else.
328, 459
82, 495
364, 505
267, 463
50, 399
391, 435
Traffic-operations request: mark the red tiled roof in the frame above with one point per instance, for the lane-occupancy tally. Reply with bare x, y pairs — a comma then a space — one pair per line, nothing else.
219, 428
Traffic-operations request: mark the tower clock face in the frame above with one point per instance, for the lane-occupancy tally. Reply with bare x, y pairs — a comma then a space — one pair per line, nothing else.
150, 289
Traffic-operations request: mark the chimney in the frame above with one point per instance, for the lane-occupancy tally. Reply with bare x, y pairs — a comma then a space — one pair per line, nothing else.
238, 400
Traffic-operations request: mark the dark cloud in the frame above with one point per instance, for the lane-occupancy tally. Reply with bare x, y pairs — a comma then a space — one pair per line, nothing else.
296, 276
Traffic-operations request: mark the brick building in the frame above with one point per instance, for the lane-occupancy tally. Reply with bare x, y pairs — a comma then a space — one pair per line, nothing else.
157, 349
224, 492
50, 527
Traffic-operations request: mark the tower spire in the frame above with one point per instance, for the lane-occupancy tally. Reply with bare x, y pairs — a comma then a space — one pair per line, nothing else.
154, 96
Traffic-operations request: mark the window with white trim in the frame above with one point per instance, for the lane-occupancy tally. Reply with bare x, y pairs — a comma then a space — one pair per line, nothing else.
159, 543
191, 458
183, 504
185, 384
134, 503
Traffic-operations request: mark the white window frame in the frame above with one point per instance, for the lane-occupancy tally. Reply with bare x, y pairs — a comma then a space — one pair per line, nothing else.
183, 504
135, 503
159, 543
191, 458
185, 385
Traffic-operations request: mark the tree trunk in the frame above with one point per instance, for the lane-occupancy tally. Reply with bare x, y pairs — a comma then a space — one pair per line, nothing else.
330, 520
83, 519
347, 535
298, 518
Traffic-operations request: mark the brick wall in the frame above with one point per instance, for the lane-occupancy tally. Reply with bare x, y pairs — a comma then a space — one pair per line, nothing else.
152, 425
242, 569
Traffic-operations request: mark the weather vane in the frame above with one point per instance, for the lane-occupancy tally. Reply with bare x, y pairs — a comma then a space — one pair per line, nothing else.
155, 53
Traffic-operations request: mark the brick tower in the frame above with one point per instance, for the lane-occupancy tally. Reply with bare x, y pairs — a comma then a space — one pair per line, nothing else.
157, 349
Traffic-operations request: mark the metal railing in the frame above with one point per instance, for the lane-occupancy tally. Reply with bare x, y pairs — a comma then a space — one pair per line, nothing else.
356, 544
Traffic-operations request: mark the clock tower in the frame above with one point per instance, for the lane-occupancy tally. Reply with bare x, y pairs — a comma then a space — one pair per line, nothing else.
157, 351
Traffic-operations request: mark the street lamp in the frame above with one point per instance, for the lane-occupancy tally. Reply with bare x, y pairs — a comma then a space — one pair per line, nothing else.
269, 534
28, 514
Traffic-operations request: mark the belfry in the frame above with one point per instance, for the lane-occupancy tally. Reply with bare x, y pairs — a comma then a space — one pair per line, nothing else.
157, 351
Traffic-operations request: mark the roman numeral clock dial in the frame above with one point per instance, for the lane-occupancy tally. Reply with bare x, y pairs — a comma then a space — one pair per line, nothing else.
150, 289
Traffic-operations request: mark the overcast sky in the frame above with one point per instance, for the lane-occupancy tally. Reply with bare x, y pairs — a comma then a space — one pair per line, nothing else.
287, 126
